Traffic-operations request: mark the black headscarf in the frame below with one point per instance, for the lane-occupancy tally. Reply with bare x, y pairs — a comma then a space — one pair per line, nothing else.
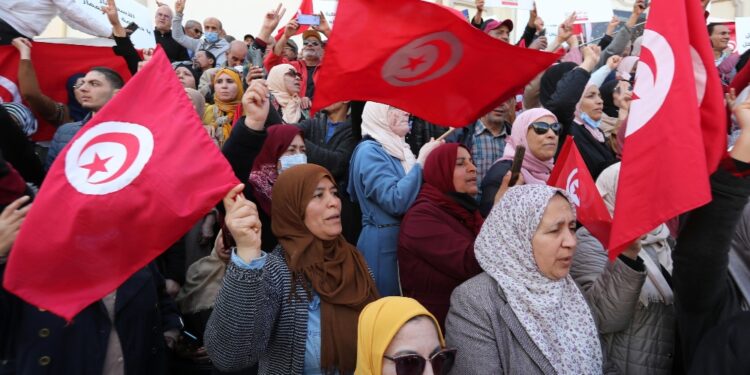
548, 83
607, 90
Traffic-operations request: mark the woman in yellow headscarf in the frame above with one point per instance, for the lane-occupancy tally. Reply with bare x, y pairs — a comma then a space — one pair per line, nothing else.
221, 115
398, 336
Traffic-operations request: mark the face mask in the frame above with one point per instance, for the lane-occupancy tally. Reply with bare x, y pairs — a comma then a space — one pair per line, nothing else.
589, 121
211, 36
289, 161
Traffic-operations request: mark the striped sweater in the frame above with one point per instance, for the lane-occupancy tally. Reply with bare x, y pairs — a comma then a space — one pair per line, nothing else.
255, 321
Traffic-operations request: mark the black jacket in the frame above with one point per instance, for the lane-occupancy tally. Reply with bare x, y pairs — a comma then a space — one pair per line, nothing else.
38, 342
491, 184
335, 154
713, 333
597, 155
175, 51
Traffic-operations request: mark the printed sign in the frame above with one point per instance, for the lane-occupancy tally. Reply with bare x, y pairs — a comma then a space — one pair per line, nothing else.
130, 11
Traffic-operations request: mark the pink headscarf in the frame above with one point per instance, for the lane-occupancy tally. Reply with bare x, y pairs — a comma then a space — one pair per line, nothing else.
626, 66
534, 171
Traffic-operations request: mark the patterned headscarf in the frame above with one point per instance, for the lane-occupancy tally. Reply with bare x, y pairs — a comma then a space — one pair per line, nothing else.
23, 117
553, 312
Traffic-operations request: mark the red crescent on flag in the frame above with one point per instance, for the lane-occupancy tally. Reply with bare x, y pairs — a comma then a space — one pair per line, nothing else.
129, 141
442, 59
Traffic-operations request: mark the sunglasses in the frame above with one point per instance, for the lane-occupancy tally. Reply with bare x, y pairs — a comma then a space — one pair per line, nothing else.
413, 364
293, 73
618, 91
311, 44
542, 128
198, 31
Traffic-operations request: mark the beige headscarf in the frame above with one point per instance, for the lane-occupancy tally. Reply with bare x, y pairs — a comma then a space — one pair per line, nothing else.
291, 104
655, 248
202, 282
199, 103
554, 313
375, 124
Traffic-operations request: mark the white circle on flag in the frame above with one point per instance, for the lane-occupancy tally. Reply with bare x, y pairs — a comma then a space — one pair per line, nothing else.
423, 59
9, 92
108, 157
572, 187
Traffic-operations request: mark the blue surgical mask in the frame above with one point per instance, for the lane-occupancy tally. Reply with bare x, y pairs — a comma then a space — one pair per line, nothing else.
589, 121
289, 161
211, 36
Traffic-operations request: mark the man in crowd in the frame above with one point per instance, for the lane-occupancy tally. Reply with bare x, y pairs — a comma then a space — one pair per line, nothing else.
99, 86
211, 40
312, 55
193, 29
163, 35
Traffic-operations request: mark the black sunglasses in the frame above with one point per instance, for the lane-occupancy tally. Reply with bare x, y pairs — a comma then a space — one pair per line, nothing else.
293, 73
542, 128
310, 44
413, 364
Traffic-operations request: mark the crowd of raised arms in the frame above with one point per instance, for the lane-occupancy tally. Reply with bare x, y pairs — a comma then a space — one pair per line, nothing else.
364, 239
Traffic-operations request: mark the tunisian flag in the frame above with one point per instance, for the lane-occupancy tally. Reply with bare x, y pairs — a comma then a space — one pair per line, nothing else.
427, 62
676, 131
572, 175
54, 63
129, 185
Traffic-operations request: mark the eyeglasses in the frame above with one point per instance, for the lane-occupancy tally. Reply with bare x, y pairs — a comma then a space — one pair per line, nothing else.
542, 128
413, 364
293, 73
311, 44
617, 89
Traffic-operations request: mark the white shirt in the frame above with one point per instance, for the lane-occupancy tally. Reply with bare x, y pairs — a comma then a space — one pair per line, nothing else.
31, 17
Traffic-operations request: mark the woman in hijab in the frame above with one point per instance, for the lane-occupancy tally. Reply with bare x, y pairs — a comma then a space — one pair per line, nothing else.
285, 82
524, 314
293, 310
282, 149
398, 336
187, 75
639, 331
436, 241
616, 97
221, 115
586, 132
385, 178
536, 129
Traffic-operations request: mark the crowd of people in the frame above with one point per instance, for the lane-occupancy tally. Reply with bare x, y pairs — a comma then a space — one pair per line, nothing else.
366, 240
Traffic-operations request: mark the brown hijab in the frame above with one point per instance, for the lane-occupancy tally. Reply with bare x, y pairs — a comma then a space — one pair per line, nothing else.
335, 269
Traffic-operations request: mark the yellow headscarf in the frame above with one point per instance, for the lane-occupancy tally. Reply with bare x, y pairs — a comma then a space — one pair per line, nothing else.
221, 115
379, 322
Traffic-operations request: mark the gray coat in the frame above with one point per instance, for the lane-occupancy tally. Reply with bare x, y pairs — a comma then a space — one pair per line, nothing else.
639, 339
255, 320
489, 337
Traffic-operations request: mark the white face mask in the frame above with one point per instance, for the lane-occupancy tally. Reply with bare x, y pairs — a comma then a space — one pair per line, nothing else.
289, 161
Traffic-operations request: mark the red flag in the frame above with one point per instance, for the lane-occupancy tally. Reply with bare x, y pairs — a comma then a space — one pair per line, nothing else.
54, 63
676, 131
305, 8
427, 62
129, 185
572, 175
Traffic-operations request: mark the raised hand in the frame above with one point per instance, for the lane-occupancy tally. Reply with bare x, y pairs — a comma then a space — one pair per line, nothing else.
324, 27
23, 46
256, 103
613, 62
479, 4
291, 28
243, 222
612, 25
179, 6
273, 17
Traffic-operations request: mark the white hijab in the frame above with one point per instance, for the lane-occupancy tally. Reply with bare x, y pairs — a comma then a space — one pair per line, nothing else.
655, 251
554, 313
375, 124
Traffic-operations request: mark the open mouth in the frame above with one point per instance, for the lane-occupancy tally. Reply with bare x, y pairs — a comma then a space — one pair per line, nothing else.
334, 217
